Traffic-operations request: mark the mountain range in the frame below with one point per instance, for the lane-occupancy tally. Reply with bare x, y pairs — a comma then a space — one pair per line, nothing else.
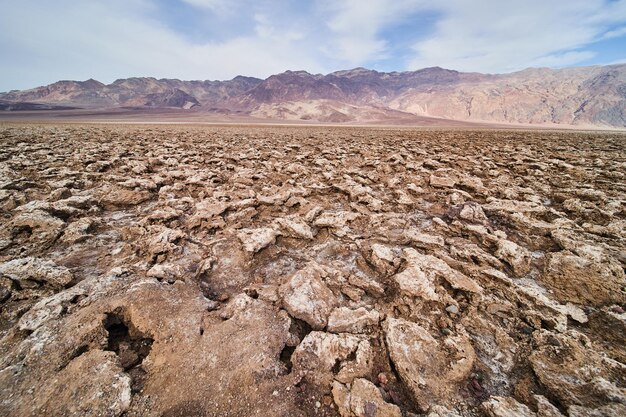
582, 96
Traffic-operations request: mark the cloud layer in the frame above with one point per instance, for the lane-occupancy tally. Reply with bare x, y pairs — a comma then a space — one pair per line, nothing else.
43, 41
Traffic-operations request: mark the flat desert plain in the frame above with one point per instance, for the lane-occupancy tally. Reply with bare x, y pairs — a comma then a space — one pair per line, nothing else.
179, 270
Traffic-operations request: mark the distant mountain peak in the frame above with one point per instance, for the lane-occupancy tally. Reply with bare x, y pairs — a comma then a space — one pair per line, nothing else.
593, 96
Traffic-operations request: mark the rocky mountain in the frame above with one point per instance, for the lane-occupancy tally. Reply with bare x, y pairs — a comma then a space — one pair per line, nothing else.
584, 96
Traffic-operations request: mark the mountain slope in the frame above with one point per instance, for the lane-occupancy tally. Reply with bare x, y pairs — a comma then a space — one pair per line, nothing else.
585, 96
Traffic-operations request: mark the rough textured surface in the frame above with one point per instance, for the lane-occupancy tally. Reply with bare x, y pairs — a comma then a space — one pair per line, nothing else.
280, 271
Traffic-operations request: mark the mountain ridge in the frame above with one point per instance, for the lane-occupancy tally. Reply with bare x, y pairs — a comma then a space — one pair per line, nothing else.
594, 96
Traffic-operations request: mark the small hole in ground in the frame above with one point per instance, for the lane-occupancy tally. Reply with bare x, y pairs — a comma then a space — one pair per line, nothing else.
131, 346
285, 357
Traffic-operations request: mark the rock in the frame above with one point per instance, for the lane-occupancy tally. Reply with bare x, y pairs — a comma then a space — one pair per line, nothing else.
473, 212
237, 305
38, 270
383, 258
435, 267
77, 231
413, 281
96, 378
337, 220
545, 408
441, 411
452, 309
609, 410
430, 374
164, 241
254, 240
275, 199
514, 255
583, 281
6, 288
346, 320
206, 211
367, 401
573, 371
306, 297
43, 228
474, 184
323, 356
341, 396
363, 282
440, 179
116, 197
295, 227
167, 272
506, 407
423, 240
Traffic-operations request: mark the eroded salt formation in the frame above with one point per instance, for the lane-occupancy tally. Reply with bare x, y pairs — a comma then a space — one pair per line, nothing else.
218, 271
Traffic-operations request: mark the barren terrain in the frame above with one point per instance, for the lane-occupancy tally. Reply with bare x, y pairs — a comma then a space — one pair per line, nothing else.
164, 270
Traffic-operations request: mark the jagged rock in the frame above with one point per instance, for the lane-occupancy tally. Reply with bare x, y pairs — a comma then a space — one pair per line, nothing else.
413, 281
42, 227
167, 272
38, 270
423, 240
306, 297
441, 411
275, 199
207, 209
344, 319
366, 401
336, 220
430, 374
112, 196
583, 281
545, 408
473, 212
165, 241
443, 178
95, 377
516, 256
319, 353
341, 396
368, 237
383, 258
254, 240
295, 227
609, 410
573, 372
371, 286
506, 407
435, 267
77, 231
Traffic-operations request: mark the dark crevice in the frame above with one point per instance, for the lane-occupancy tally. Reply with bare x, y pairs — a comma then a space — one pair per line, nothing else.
285, 357
79, 351
131, 347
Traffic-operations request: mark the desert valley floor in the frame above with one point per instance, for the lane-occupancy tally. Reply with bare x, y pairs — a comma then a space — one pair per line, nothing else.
156, 270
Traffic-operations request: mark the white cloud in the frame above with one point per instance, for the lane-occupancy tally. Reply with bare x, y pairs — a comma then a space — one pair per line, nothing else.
43, 41
502, 36
117, 39
615, 33
356, 24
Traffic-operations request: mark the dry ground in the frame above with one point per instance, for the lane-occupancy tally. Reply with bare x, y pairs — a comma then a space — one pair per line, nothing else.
290, 271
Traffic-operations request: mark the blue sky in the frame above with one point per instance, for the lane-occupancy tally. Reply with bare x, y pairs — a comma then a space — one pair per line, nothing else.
42, 41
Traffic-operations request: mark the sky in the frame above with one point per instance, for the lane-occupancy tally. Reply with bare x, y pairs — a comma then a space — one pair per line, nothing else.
43, 41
